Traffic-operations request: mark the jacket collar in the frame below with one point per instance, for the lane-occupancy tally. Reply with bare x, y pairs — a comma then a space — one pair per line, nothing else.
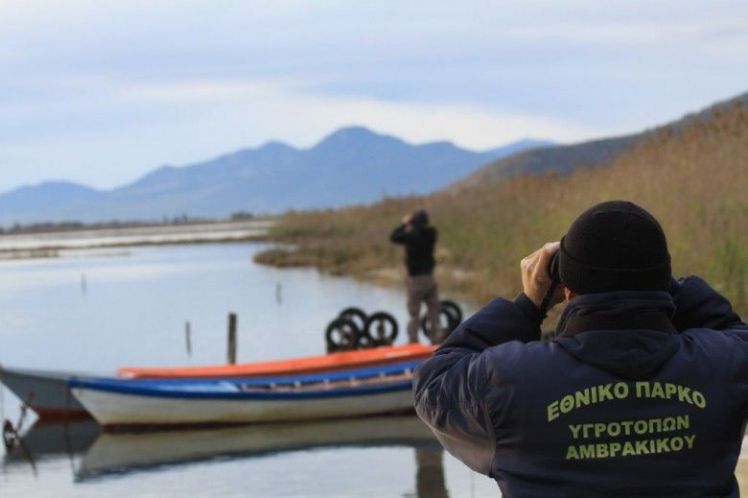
620, 310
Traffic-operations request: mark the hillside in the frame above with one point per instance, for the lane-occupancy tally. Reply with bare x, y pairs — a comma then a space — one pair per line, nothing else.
352, 165
595, 153
558, 159
692, 175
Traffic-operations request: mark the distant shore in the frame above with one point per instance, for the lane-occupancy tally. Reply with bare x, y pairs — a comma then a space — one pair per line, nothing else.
54, 242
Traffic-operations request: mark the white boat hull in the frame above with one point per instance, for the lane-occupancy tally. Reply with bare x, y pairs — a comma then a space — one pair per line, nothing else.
113, 409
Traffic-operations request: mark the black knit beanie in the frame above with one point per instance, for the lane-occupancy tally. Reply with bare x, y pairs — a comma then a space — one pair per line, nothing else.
615, 245
420, 218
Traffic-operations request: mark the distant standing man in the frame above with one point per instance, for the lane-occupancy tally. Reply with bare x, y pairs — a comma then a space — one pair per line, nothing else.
419, 239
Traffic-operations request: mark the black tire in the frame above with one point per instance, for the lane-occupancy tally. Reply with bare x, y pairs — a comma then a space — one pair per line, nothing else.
381, 329
364, 342
453, 309
342, 334
356, 315
446, 321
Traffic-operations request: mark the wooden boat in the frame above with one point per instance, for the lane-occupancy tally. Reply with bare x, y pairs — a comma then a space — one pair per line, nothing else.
131, 452
345, 360
45, 392
159, 402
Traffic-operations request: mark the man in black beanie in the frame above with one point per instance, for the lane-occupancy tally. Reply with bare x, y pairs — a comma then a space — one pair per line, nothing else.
642, 391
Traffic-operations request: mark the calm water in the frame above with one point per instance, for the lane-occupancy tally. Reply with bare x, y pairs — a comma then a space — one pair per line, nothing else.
97, 310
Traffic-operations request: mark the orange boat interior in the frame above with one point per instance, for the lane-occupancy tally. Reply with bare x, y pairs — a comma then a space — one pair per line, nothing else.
360, 358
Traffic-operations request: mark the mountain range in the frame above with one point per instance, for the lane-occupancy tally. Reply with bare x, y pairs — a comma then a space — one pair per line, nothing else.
350, 166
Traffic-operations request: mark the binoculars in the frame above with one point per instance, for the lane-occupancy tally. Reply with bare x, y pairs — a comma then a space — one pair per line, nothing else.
553, 268
555, 281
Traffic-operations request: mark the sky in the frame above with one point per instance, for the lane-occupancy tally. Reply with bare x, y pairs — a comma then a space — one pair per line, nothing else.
100, 92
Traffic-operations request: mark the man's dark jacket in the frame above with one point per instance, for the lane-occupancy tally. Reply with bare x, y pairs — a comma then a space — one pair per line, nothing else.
419, 244
639, 394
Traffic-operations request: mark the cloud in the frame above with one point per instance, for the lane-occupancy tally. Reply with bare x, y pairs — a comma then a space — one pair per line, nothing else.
103, 90
629, 34
280, 107
274, 103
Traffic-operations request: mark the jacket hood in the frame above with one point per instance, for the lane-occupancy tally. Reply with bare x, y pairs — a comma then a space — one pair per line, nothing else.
628, 334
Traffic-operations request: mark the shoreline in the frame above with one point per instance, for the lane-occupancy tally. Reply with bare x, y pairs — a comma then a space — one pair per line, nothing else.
56, 251
453, 281
54, 244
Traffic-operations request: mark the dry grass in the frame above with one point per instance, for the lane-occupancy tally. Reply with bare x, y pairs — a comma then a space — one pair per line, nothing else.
695, 181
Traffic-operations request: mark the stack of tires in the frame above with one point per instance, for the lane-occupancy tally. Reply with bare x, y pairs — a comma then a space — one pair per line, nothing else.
354, 329
450, 316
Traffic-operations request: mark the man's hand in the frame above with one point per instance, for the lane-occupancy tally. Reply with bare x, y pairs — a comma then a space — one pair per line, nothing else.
407, 219
535, 277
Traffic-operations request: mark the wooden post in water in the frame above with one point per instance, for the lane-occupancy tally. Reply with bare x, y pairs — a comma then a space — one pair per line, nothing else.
188, 338
232, 339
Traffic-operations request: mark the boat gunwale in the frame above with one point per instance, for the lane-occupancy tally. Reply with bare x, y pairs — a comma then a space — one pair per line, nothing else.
285, 367
245, 396
367, 381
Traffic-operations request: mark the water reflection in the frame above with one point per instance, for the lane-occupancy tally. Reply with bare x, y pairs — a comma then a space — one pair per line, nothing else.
116, 453
430, 473
43, 440
107, 454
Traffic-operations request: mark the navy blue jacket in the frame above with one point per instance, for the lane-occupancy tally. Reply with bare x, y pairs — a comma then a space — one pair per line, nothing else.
639, 394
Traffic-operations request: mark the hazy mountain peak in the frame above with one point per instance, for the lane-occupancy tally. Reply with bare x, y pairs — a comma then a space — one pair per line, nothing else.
353, 136
54, 186
275, 146
47, 195
352, 131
